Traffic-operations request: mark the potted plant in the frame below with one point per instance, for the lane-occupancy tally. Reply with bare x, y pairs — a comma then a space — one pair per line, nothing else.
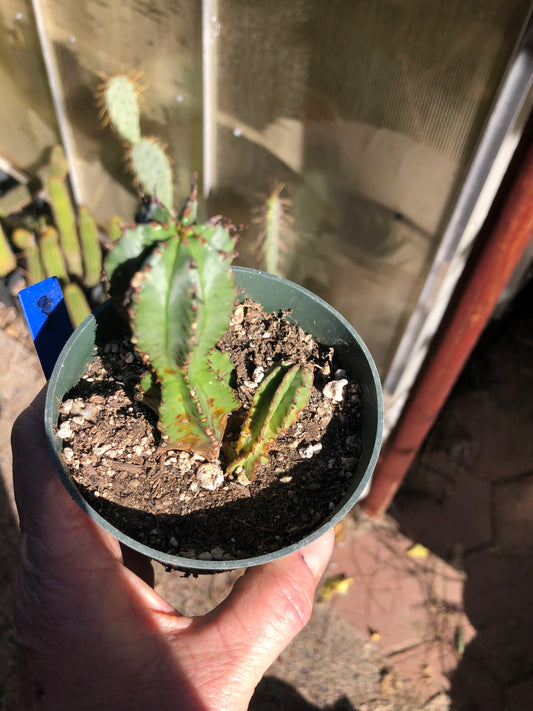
208, 416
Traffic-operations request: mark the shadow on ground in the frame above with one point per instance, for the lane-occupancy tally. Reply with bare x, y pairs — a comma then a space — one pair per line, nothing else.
469, 499
272, 693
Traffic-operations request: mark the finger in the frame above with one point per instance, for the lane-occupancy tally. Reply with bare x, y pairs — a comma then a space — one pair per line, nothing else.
47, 513
267, 608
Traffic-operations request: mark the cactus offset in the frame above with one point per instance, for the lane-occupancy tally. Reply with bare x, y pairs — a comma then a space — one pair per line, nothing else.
180, 311
66, 224
90, 245
8, 261
148, 160
25, 240
281, 396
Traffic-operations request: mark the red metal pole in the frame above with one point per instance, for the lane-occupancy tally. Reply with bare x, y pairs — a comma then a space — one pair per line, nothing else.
492, 267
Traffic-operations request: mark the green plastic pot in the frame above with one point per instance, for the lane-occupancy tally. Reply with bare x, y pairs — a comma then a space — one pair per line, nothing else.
310, 312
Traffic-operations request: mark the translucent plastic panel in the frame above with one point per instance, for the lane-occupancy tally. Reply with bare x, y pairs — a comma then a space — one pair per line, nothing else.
369, 112
27, 117
158, 42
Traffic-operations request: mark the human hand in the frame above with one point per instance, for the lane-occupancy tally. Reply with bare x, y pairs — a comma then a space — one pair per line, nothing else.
94, 635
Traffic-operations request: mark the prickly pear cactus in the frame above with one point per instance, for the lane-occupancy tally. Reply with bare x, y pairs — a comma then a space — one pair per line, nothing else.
179, 312
148, 160
281, 396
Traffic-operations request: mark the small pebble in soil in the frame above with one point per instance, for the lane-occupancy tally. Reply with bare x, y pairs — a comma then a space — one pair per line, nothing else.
334, 390
210, 476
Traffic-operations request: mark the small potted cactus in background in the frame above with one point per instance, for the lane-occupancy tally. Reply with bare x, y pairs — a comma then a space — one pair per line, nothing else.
242, 414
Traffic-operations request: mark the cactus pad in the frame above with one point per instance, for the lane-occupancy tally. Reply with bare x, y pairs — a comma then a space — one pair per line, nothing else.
122, 107
152, 170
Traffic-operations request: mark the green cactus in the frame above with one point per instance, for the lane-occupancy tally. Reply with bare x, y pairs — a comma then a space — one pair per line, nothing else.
181, 309
90, 245
275, 230
115, 228
175, 278
77, 306
65, 221
58, 163
148, 160
25, 240
281, 396
8, 261
122, 107
51, 255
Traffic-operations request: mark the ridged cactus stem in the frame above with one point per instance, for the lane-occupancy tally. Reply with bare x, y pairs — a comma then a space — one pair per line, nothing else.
90, 245
65, 221
77, 305
25, 240
274, 231
8, 261
51, 255
279, 399
181, 309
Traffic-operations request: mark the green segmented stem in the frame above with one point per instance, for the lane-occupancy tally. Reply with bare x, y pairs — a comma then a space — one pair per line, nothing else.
66, 225
25, 240
51, 255
90, 245
77, 306
281, 396
181, 310
8, 261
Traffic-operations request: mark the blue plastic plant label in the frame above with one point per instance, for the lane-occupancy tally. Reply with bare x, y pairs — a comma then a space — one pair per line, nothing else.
47, 317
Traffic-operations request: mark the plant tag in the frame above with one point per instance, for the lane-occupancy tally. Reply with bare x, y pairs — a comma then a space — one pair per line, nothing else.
47, 317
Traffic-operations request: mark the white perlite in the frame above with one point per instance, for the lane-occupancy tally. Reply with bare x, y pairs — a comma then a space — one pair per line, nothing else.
210, 476
334, 390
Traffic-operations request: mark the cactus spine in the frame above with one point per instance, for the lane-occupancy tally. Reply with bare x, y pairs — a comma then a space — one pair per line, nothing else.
8, 261
281, 396
148, 159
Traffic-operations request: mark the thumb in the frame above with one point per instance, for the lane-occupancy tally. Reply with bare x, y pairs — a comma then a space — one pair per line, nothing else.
266, 609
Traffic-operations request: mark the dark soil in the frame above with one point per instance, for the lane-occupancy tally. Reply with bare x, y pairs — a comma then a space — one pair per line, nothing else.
178, 503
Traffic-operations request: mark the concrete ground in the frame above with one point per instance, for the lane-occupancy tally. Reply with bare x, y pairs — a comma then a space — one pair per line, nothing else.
433, 609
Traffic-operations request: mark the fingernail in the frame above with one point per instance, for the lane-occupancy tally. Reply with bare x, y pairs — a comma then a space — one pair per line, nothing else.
317, 554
